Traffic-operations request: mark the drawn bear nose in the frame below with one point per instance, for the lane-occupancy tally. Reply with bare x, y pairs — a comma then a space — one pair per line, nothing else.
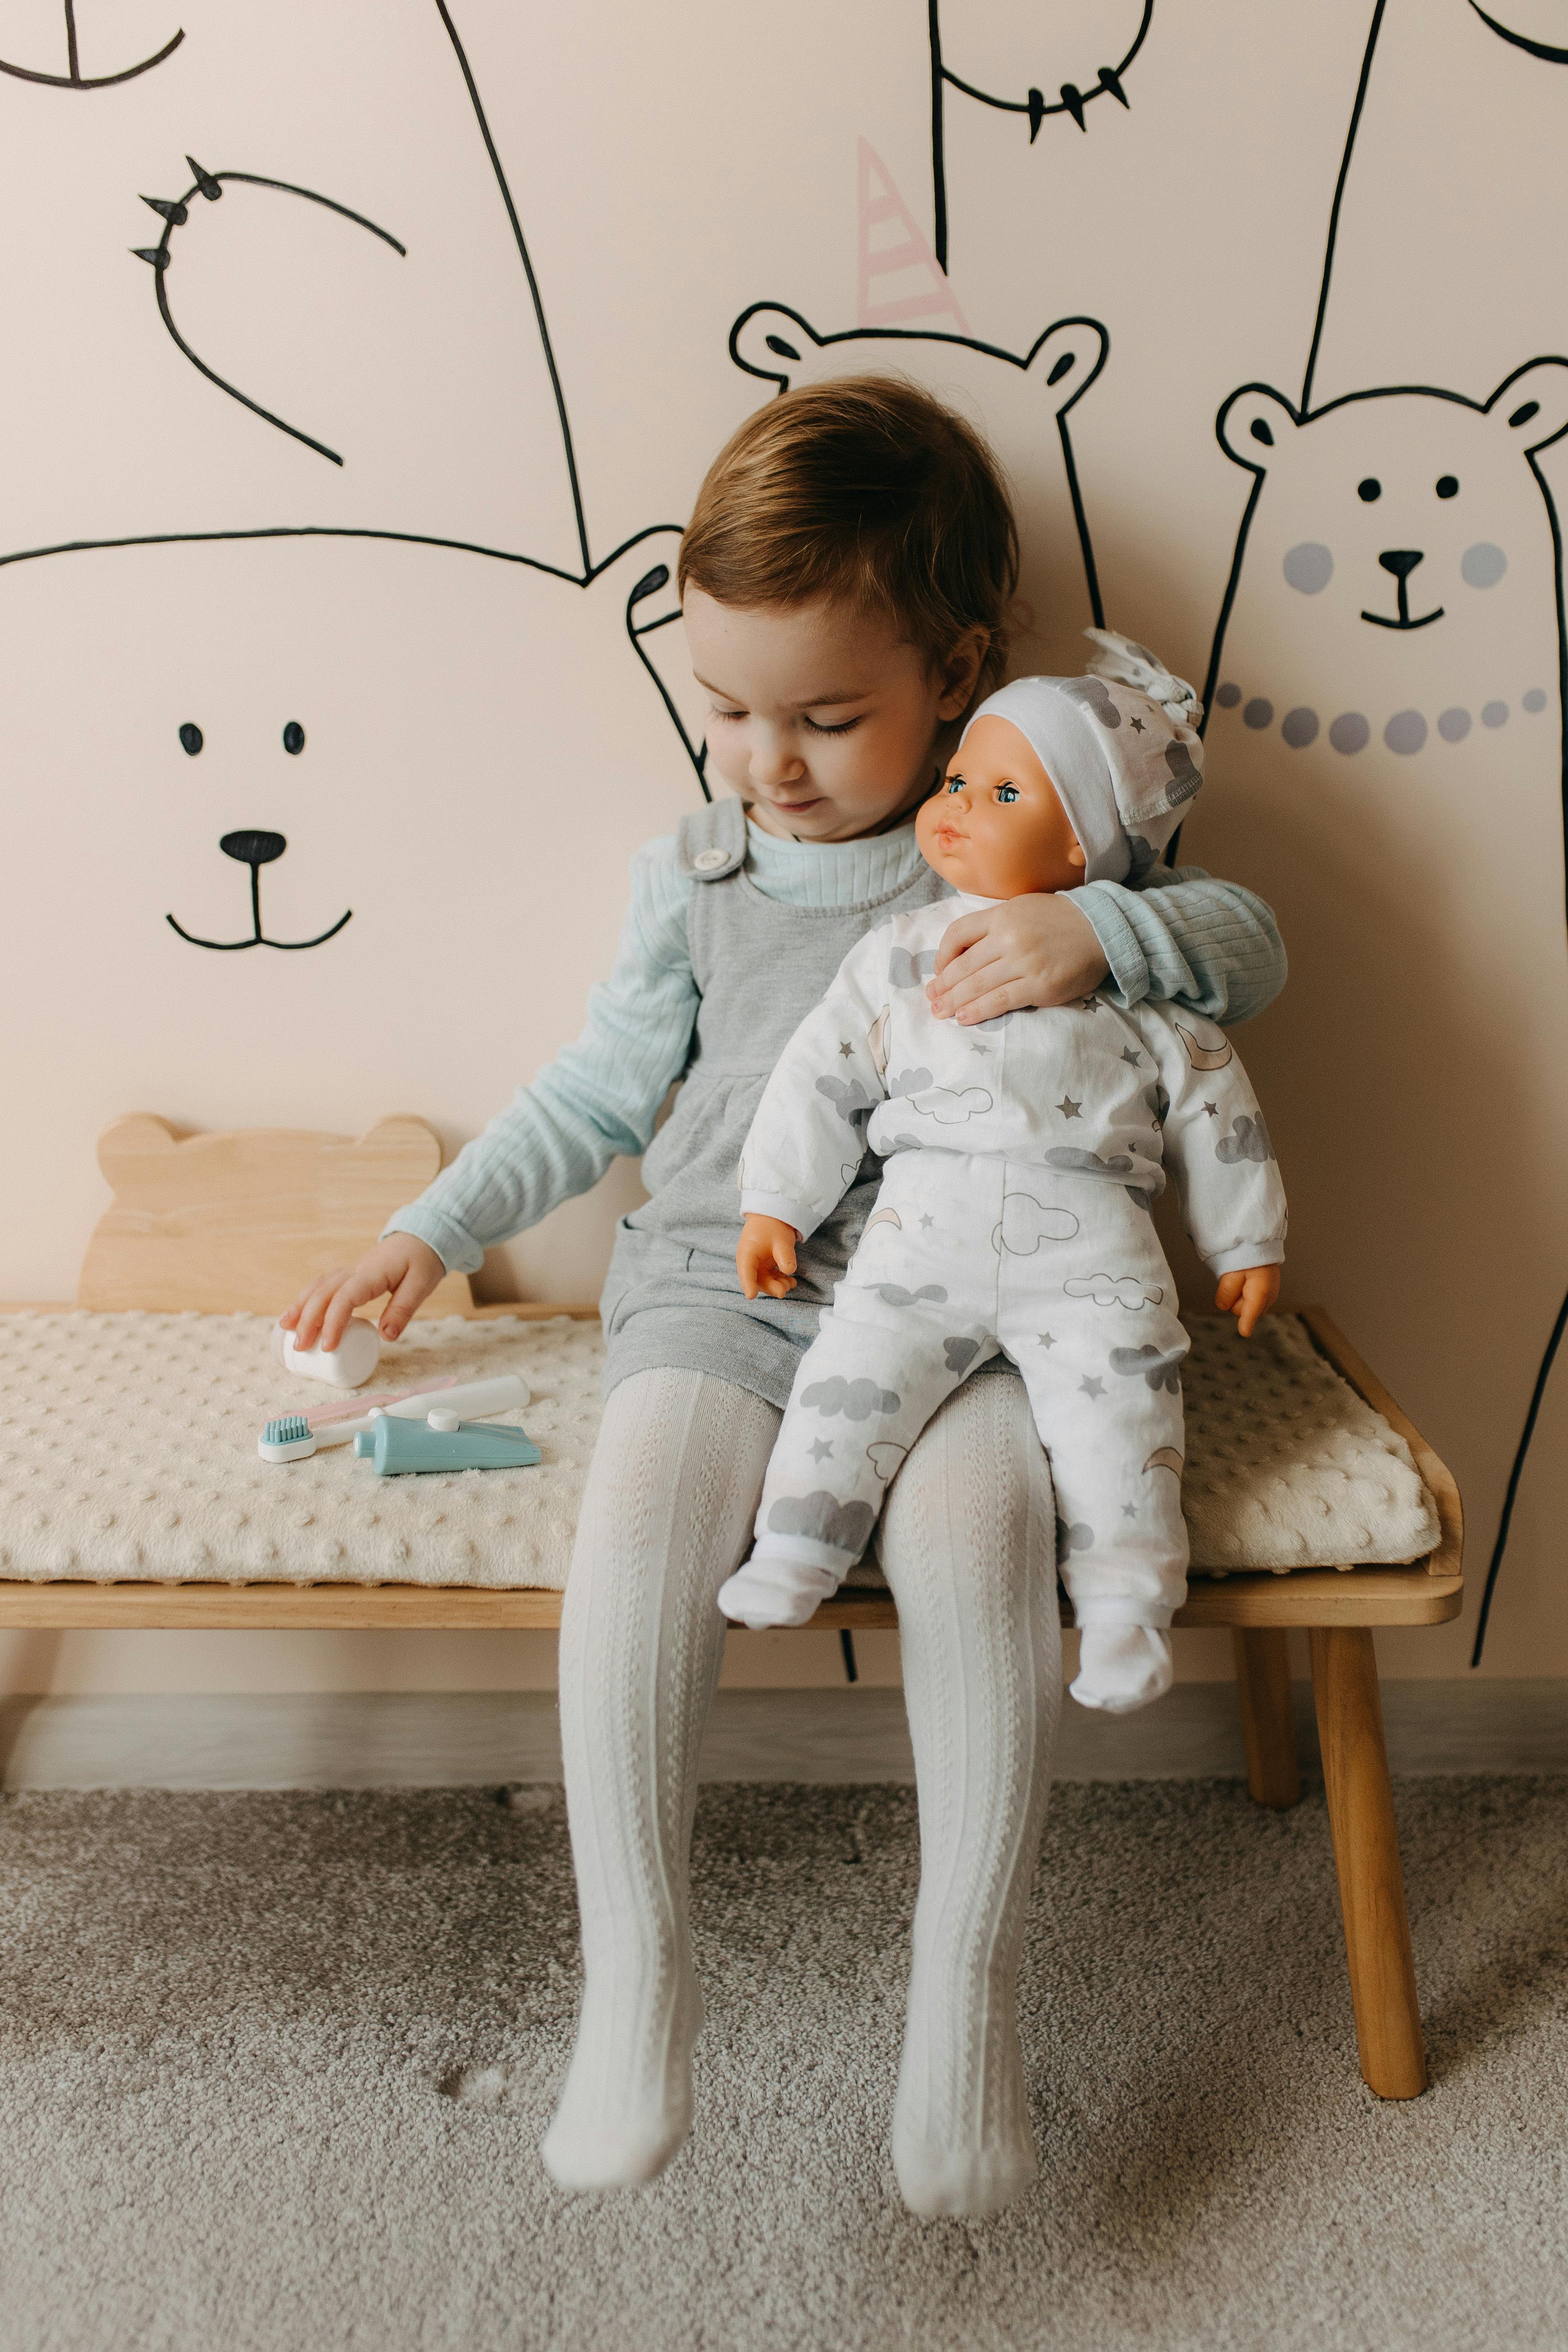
1402, 561
253, 848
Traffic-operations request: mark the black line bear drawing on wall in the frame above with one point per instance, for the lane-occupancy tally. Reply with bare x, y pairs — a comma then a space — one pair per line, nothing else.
265, 794
1068, 58
74, 78
1027, 402
1386, 689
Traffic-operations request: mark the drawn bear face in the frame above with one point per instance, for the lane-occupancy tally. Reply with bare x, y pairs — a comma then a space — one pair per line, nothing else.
1022, 405
1394, 579
479, 753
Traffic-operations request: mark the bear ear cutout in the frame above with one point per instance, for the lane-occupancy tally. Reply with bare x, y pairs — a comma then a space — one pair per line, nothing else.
407, 1145
1253, 422
1066, 358
131, 1140
772, 343
1532, 403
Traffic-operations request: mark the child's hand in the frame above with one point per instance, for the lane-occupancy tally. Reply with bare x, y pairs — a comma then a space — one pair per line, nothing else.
765, 1256
1037, 950
406, 1267
1248, 1293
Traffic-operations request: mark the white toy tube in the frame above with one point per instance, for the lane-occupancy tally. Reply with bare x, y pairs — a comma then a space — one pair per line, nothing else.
347, 1366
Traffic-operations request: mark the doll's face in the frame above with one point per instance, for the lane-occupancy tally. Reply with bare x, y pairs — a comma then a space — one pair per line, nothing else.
997, 828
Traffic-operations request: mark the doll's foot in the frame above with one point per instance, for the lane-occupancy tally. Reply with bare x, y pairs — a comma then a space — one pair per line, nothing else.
623, 2117
768, 1591
1122, 1668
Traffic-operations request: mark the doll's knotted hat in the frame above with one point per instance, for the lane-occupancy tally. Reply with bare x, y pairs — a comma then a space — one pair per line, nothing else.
1119, 745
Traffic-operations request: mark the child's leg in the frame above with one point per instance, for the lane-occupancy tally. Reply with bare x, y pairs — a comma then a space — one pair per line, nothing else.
911, 1318
967, 1547
1106, 1393
666, 1515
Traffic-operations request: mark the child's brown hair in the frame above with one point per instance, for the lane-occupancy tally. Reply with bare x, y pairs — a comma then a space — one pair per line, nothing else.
868, 492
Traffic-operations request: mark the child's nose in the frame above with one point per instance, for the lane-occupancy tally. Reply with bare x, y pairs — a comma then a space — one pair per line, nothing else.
773, 761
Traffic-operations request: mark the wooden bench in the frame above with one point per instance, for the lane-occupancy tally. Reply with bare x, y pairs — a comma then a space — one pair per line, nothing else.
221, 1223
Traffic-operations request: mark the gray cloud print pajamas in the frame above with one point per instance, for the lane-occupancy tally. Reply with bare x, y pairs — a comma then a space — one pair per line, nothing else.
1023, 1160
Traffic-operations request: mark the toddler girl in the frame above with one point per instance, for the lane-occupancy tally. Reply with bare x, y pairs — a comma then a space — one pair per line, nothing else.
1020, 1173
847, 577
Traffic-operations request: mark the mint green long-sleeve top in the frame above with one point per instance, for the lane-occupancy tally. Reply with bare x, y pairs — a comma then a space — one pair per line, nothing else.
1180, 935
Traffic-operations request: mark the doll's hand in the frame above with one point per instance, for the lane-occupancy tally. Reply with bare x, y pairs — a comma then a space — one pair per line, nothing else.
1248, 1293
765, 1257
1037, 950
402, 1266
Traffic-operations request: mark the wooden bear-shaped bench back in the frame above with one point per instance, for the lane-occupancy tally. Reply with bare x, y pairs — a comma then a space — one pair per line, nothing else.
240, 1221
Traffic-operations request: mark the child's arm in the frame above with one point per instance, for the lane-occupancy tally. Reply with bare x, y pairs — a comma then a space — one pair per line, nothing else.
1219, 1150
808, 1137
1179, 935
599, 1098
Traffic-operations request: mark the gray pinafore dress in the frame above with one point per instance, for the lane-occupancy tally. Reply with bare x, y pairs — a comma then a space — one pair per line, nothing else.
672, 1296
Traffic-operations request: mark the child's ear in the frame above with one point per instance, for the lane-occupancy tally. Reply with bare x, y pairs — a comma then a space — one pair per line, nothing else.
960, 671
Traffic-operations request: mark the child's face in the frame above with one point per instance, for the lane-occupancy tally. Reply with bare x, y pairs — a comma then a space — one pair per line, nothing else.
823, 719
996, 829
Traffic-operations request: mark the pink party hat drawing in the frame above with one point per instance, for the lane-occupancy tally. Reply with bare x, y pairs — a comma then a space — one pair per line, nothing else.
900, 280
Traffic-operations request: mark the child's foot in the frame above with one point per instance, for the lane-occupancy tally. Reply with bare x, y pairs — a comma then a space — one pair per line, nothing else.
619, 2123
769, 1590
1122, 1668
940, 2178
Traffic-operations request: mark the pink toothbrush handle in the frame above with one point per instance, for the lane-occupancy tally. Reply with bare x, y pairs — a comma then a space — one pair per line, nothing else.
353, 1407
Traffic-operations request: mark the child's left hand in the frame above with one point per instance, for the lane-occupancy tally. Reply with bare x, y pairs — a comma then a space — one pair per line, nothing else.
1248, 1293
1033, 950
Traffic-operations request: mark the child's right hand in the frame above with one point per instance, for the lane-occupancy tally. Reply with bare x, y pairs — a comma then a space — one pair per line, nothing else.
765, 1257
402, 1266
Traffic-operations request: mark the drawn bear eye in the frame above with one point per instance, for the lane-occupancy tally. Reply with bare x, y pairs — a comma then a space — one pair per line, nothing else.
1447, 485
191, 738
1369, 489
293, 736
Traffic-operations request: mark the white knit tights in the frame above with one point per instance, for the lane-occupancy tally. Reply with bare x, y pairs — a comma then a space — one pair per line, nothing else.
966, 1544
969, 1548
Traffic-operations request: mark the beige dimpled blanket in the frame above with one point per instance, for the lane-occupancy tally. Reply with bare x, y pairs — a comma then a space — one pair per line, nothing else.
128, 1450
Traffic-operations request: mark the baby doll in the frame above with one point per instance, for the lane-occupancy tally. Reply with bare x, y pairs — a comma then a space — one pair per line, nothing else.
1023, 1159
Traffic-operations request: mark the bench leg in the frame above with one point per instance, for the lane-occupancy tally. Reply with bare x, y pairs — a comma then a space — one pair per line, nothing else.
1367, 1855
1268, 1720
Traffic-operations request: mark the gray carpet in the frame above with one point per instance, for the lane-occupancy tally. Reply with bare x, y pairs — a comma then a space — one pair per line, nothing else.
274, 2066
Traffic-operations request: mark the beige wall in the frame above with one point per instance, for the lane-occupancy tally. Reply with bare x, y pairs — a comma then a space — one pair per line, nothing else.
485, 743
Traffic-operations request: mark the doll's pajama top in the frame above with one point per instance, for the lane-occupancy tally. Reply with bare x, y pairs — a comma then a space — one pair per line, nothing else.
1022, 1162
731, 937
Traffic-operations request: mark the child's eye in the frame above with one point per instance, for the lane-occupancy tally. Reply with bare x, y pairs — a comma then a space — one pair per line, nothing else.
1007, 792
714, 712
843, 726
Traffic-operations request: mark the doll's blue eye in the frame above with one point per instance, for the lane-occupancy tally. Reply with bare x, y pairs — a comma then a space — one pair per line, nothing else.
956, 784
1007, 792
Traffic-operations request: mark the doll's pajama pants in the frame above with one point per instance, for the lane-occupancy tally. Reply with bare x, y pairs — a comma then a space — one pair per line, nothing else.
963, 1257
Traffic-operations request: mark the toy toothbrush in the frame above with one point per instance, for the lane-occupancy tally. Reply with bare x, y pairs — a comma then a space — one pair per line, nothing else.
293, 1438
392, 1447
